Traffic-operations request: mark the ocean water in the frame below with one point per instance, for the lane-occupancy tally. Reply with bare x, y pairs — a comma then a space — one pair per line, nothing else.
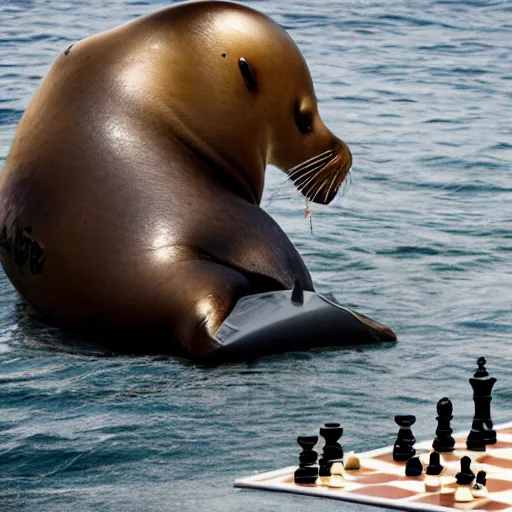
420, 238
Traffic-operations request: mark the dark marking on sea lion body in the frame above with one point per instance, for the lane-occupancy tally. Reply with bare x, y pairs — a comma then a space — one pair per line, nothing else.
20, 245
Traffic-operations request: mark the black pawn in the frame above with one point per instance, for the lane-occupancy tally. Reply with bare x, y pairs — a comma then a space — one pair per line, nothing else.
307, 471
403, 449
465, 476
331, 432
482, 432
481, 478
434, 466
414, 467
444, 441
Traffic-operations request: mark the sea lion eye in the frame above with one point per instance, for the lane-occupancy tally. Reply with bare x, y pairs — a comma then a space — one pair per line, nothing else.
247, 74
303, 120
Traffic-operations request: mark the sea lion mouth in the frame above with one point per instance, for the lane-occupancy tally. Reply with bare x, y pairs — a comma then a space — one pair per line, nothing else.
320, 177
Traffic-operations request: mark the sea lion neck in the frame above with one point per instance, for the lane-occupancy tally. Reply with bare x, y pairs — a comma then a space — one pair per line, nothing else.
240, 177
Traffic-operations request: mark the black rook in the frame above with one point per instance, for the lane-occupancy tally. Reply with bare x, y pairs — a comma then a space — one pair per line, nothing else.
403, 449
307, 471
331, 432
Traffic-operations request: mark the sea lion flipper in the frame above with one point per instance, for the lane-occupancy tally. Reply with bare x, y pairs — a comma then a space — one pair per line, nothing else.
210, 293
276, 321
377, 331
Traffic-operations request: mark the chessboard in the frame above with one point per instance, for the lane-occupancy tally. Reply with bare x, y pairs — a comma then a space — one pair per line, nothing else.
381, 481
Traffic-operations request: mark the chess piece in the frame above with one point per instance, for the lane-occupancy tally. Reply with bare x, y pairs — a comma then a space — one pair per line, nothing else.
479, 489
403, 449
414, 467
432, 484
324, 475
337, 481
434, 467
463, 494
465, 476
464, 479
482, 432
444, 441
331, 432
352, 462
307, 471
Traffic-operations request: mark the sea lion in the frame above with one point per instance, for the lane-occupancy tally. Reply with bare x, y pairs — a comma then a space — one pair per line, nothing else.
130, 197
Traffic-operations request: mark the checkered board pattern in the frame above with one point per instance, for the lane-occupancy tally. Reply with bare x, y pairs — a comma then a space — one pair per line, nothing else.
381, 481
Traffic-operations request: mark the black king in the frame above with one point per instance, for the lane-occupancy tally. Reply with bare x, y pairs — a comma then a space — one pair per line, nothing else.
481, 432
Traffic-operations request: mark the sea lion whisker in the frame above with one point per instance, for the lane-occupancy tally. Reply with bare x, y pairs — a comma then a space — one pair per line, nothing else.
318, 187
312, 193
323, 183
300, 173
303, 186
303, 177
317, 169
335, 181
348, 181
320, 167
329, 180
345, 180
326, 155
313, 158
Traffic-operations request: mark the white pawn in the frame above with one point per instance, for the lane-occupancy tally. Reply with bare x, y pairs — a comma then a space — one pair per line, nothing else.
351, 462
463, 494
432, 483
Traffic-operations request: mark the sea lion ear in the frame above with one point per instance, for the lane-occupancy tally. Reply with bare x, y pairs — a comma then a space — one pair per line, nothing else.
248, 75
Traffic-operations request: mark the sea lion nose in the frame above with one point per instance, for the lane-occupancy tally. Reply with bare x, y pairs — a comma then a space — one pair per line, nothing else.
345, 154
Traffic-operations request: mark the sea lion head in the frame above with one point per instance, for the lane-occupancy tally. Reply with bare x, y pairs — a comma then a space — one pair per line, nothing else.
243, 91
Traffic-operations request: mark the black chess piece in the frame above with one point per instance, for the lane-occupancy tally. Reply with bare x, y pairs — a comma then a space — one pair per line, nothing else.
331, 432
444, 441
482, 432
465, 476
307, 471
325, 470
403, 449
434, 466
481, 478
414, 467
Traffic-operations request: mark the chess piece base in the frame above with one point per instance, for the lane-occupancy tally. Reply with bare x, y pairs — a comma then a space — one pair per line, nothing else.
432, 484
463, 494
336, 482
479, 491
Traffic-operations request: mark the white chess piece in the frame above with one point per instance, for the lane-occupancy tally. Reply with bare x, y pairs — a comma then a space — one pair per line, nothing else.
351, 462
336, 479
479, 491
432, 483
463, 494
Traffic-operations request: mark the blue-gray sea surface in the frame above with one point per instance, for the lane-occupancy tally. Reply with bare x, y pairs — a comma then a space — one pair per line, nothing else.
420, 239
